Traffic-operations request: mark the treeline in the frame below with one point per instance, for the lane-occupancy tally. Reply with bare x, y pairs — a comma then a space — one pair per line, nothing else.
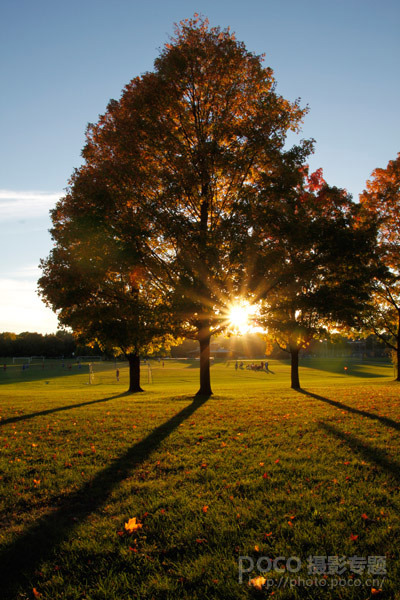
63, 344
51, 345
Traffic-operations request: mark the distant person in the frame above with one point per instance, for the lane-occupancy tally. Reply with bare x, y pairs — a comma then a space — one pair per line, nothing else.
236, 365
266, 367
117, 374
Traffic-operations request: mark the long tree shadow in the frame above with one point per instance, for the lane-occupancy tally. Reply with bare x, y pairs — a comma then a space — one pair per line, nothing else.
351, 409
49, 411
35, 374
21, 558
368, 452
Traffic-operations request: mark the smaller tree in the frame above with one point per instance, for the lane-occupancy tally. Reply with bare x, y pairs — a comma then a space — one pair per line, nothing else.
98, 284
381, 203
315, 262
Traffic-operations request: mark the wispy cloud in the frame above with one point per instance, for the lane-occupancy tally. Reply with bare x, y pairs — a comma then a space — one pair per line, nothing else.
26, 204
28, 273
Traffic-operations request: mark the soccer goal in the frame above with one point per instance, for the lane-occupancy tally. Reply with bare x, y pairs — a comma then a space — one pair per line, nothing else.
88, 359
21, 359
36, 359
105, 371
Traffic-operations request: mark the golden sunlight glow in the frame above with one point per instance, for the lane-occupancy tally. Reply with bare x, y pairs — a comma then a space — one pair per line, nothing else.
239, 317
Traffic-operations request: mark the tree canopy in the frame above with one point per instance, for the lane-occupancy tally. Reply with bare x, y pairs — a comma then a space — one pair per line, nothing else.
96, 279
315, 260
183, 151
381, 202
188, 199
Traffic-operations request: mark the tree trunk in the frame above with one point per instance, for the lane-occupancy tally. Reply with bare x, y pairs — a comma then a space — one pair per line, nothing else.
134, 374
398, 360
205, 379
294, 368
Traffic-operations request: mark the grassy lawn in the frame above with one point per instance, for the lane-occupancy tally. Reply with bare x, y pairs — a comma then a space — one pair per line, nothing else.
256, 471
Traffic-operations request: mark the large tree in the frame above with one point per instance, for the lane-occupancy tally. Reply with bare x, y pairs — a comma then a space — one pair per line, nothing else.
315, 262
381, 202
186, 147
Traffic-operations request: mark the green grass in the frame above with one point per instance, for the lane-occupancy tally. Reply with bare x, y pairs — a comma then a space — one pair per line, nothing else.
282, 473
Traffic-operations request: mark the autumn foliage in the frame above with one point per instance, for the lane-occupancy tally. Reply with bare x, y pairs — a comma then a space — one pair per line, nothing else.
188, 198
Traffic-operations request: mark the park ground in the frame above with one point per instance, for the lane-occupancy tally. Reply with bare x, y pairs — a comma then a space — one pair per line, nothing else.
257, 470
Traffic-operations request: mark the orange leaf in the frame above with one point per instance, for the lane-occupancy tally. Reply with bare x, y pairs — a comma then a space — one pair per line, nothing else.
257, 582
132, 525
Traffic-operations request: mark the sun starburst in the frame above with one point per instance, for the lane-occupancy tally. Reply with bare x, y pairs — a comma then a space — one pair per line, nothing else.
239, 317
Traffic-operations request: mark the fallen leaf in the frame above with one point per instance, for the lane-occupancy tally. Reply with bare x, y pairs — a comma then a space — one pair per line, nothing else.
257, 582
132, 525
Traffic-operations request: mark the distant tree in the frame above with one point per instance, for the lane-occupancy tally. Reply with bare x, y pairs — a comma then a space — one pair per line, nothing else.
29, 344
7, 340
381, 202
315, 261
188, 146
36, 344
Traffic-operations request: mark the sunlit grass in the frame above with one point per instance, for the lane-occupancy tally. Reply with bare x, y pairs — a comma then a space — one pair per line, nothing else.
256, 470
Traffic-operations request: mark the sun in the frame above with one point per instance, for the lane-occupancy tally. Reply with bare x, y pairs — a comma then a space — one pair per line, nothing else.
239, 317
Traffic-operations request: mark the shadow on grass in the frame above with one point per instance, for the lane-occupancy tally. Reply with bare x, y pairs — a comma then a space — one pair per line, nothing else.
49, 411
21, 558
364, 413
371, 454
35, 373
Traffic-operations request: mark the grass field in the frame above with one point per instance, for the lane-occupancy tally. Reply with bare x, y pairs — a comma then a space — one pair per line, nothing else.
257, 470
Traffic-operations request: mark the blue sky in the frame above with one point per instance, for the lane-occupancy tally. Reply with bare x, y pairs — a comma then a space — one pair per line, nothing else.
61, 62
